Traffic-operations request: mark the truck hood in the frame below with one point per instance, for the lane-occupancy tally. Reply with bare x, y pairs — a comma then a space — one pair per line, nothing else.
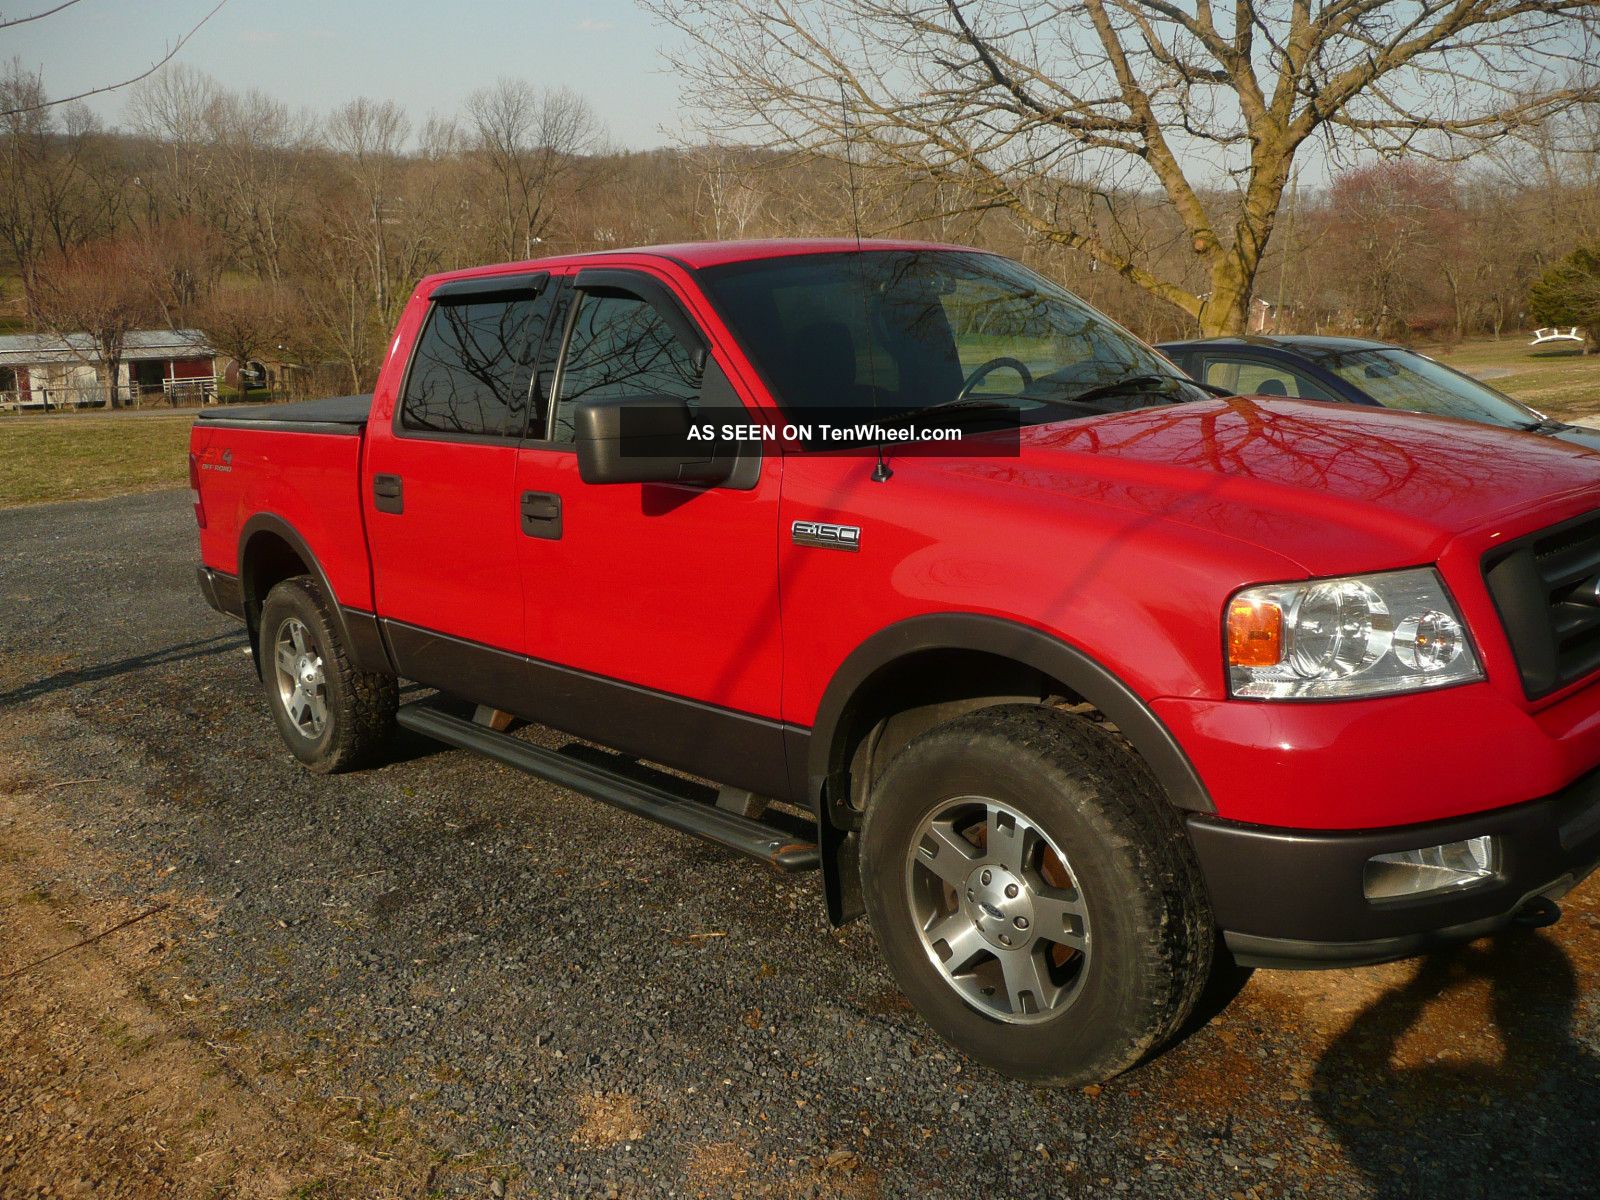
1335, 487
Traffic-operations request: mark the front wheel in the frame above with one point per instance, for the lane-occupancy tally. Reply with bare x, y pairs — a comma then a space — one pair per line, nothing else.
330, 715
1034, 894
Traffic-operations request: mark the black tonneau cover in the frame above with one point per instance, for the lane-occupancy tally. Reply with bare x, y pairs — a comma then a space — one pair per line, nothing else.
342, 414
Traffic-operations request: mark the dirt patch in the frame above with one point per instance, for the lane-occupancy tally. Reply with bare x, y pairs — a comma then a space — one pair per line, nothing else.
608, 1120
840, 1174
718, 1169
727, 1169
109, 1089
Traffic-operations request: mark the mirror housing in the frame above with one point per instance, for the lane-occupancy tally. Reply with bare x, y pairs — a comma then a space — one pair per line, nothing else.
645, 439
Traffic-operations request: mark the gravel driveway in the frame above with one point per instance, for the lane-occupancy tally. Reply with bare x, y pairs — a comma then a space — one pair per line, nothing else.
551, 998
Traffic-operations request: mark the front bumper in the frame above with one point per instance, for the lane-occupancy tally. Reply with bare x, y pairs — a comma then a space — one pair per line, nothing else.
1293, 897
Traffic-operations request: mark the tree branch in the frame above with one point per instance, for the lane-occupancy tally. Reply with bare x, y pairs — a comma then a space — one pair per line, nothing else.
110, 87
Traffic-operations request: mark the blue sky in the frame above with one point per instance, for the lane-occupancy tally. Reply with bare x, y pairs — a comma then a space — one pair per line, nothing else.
427, 54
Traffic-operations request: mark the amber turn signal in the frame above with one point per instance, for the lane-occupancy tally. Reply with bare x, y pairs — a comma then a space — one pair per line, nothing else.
1255, 633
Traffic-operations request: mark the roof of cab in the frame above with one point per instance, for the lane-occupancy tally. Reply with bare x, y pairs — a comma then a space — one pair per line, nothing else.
715, 254
695, 255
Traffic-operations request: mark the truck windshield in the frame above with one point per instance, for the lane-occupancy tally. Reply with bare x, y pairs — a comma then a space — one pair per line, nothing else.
1403, 379
901, 330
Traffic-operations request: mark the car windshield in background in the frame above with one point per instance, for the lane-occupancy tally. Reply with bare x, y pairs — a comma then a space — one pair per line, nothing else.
905, 331
1406, 380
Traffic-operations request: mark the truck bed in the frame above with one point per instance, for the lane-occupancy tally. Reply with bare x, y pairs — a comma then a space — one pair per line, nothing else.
292, 471
339, 414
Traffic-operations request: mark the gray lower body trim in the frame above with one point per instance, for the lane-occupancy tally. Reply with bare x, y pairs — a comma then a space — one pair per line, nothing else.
222, 591
715, 743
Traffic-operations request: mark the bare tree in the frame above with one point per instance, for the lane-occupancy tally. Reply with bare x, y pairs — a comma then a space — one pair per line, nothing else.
99, 291
369, 137
733, 200
15, 105
1024, 102
179, 111
258, 147
1389, 229
1504, 247
246, 321
437, 232
56, 191
335, 321
528, 143
180, 261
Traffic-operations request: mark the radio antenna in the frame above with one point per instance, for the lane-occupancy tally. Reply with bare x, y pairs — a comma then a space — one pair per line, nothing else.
881, 472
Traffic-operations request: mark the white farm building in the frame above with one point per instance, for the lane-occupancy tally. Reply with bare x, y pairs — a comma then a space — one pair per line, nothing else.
42, 371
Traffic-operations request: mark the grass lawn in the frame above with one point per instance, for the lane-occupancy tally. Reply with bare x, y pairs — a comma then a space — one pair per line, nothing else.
1563, 383
79, 456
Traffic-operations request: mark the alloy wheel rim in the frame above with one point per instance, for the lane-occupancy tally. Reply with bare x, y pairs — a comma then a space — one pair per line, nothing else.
302, 681
998, 910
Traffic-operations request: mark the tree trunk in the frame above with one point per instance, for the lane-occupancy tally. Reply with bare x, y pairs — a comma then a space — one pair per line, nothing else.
108, 383
1457, 304
1226, 311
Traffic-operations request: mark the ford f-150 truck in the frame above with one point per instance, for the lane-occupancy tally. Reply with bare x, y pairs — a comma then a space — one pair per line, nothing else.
1127, 681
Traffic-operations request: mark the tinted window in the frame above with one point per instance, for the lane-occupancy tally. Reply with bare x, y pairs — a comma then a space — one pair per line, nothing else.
473, 367
908, 329
1253, 377
621, 346
841, 363
1402, 379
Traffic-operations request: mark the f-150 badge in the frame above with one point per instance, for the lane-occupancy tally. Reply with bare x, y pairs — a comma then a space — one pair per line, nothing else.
828, 537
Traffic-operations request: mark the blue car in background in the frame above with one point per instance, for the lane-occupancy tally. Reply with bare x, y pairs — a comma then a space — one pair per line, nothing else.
1357, 371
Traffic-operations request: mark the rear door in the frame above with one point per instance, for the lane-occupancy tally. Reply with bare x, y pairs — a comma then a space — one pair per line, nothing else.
652, 609
442, 518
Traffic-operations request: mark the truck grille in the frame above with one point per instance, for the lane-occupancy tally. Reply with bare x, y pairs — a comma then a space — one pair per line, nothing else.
1547, 588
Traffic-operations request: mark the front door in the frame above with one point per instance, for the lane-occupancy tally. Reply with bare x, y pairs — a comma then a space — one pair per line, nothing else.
652, 609
149, 377
442, 517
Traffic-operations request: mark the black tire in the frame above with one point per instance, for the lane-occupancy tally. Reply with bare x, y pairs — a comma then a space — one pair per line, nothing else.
357, 707
1148, 933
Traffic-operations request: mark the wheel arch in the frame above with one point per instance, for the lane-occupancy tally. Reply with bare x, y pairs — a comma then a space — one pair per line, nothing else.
272, 550
930, 669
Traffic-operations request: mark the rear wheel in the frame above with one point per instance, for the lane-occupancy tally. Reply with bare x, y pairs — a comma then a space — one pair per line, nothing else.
1035, 895
331, 716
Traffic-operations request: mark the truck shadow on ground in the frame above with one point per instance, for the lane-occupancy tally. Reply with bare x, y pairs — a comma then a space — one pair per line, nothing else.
1424, 1106
222, 643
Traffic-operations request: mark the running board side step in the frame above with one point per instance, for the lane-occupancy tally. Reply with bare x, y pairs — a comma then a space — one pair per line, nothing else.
643, 798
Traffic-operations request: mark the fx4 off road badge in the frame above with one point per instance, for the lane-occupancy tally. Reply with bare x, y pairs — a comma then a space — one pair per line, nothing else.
828, 537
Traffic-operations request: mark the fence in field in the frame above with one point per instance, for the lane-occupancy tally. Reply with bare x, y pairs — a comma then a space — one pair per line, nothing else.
170, 393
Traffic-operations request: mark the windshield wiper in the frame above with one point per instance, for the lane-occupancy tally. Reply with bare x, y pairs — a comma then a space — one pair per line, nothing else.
1157, 384
959, 405
1154, 383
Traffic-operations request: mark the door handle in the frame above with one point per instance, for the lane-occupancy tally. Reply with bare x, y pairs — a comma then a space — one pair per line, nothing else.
541, 515
388, 493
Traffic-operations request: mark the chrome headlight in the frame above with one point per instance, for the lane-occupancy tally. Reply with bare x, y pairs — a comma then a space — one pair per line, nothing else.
1363, 635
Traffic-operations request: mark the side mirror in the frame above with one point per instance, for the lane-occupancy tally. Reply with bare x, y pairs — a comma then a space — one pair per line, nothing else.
645, 439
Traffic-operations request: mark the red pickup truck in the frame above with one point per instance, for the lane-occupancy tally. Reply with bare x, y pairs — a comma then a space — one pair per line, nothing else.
1076, 678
